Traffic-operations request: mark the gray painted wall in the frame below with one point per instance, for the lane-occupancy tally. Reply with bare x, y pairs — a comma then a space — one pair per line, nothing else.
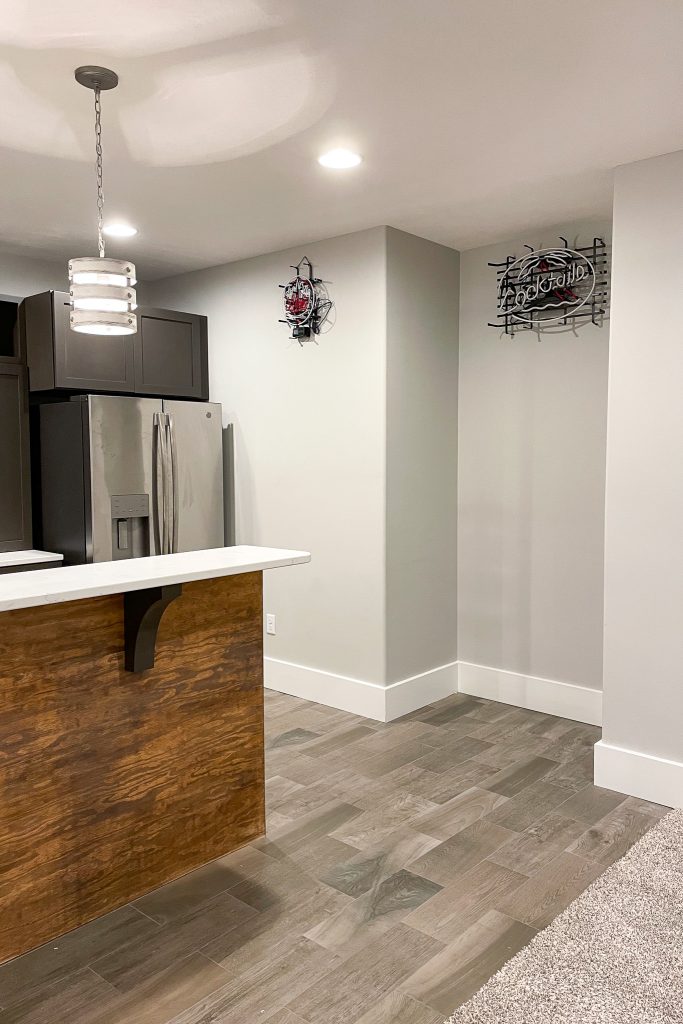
21, 276
347, 448
643, 702
422, 429
310, 441
532, 429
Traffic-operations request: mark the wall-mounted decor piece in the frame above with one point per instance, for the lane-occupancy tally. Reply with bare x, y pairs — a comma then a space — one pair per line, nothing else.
307, 305
551, 287
101, 292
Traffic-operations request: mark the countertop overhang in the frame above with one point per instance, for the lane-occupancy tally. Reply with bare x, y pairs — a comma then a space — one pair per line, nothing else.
79, 582
27, 557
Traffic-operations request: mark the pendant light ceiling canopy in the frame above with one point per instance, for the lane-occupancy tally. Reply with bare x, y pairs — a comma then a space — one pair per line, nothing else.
101, 289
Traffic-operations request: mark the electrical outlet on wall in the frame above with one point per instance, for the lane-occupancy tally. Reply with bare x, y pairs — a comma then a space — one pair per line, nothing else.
270, 625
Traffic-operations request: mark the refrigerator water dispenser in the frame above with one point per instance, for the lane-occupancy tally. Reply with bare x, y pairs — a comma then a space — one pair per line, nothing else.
129, 525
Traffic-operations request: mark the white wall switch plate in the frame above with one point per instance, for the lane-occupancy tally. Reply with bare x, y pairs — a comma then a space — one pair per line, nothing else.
270, 625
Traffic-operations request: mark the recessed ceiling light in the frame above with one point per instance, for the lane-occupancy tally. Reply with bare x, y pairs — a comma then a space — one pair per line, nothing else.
119, 230
340, 159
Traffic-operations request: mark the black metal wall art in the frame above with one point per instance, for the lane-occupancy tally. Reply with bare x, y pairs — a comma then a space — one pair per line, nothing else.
552, 286
307, 304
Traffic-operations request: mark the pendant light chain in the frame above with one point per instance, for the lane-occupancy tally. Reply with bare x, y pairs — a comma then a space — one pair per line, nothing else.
98, 166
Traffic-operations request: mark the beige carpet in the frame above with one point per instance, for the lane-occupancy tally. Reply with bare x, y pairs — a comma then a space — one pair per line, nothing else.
615, 956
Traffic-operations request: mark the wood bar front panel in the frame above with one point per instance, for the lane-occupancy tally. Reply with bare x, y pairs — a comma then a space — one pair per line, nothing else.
113, 783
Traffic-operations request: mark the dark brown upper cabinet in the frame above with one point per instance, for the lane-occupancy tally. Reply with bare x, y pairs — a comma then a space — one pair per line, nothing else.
10, 337
167, 356
15, 481
59, 358
171, 354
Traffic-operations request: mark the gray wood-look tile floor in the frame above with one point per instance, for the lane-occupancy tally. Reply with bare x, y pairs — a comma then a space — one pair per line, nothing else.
404, 864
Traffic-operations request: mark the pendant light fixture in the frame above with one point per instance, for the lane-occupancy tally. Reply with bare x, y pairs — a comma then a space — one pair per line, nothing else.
101, 288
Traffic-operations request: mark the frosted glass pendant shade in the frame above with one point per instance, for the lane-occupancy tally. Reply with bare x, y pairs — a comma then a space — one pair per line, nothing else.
102, 296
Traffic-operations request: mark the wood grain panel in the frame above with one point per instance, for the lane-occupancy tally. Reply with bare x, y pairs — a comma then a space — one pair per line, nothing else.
112, 783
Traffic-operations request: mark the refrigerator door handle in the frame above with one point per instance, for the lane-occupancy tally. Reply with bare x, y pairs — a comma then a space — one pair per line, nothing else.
168, 488
159, 482
173, 455
166, 485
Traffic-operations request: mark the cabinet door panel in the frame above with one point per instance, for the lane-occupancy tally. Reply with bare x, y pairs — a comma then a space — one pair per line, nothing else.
171, 354
15, 491
10, 341
90, 362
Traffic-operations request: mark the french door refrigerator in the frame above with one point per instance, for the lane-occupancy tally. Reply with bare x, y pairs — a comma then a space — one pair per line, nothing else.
126, 477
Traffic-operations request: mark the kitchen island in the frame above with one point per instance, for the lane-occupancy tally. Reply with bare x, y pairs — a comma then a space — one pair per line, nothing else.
131, 730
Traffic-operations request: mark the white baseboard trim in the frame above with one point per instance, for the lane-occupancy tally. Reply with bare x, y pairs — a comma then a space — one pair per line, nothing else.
417, 691
354, 695
383, 703
566, 700
640, 775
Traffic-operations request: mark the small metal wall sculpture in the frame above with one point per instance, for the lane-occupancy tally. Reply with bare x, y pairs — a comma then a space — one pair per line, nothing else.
308, 307
551, 287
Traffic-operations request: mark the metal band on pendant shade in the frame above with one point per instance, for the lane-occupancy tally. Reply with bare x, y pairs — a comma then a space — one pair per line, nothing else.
101, 289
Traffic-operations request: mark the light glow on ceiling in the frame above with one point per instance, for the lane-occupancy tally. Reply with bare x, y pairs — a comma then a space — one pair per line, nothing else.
340, 159
118, 229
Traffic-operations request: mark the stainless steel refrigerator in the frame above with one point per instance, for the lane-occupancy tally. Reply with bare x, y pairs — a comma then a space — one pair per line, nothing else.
126, 477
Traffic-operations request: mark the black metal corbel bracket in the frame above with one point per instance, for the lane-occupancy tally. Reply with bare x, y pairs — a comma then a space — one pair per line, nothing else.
142, 611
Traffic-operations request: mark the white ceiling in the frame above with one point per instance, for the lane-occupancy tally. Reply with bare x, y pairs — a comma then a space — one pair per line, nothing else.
477, 119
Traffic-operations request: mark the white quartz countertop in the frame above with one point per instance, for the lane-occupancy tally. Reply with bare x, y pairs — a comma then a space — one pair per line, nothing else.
77, 582
10, 559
